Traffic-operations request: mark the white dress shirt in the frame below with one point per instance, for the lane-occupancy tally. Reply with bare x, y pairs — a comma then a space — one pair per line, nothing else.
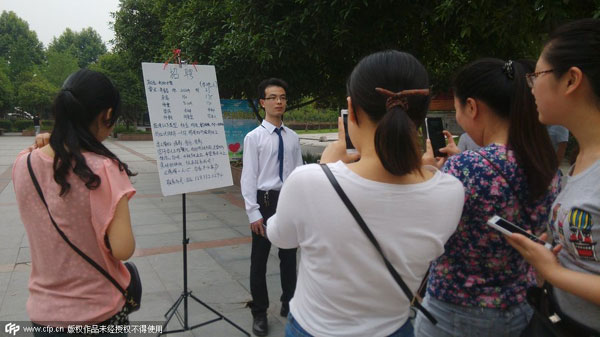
261, 165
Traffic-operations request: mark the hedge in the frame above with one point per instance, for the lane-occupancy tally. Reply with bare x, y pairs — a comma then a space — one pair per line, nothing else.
22, 124
5, 124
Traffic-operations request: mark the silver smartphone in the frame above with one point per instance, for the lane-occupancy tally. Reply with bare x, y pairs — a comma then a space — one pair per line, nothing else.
506, 227
349, 147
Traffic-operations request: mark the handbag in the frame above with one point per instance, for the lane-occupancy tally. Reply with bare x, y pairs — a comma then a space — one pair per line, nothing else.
133, 293
411, 297
548, 320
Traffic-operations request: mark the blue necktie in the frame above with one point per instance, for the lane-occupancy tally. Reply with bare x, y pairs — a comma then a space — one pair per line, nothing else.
280, 153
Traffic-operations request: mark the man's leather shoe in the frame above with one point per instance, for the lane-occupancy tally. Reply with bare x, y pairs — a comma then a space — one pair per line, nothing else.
260, 327
285, 309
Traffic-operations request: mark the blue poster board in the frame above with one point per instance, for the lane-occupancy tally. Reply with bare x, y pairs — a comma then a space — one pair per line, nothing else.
238, 119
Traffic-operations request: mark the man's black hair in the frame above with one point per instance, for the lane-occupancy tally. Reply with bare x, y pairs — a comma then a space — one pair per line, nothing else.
269, 82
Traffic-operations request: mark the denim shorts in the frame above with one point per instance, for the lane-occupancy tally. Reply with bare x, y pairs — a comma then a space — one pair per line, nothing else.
457, 320
293, 329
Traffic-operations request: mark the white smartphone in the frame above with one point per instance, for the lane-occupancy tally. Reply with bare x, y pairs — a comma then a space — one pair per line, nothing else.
349, 147
506, 227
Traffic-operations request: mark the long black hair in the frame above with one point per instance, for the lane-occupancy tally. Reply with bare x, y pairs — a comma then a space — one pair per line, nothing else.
503, 87
576, 44
84, 95
396, 139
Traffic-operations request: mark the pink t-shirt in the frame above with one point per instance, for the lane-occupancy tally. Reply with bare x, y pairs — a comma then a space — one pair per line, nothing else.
63, 287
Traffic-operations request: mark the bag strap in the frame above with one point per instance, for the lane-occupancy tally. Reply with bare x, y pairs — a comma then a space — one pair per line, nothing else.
499, 171
373, 240
62, 234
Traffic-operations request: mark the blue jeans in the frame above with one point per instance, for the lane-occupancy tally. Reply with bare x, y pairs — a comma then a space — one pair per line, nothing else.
456, 320
293, 329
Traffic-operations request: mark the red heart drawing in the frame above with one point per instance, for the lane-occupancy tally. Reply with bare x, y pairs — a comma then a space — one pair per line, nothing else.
234, 147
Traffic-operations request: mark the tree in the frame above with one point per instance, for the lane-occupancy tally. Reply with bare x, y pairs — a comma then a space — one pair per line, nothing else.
36, 95
314, 44
138, 31
127, 82
86, 45
6, 91
59, 66
20, 48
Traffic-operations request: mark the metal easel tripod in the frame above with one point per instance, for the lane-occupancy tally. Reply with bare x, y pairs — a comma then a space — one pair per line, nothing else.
183, 298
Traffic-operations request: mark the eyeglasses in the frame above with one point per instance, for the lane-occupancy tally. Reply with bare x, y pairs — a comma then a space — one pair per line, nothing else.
531, 77
277, 98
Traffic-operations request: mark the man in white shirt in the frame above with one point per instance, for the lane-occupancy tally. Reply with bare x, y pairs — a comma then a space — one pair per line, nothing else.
271, 152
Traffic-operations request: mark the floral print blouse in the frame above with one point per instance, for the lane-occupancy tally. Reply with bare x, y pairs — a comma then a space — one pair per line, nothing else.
478, 267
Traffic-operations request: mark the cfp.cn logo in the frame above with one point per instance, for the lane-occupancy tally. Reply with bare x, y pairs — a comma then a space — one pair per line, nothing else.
11, 329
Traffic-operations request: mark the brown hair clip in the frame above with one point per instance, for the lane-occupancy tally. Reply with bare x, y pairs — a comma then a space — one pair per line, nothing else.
400, 98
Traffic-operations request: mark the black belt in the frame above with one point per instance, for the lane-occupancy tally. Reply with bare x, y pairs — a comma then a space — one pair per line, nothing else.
267, 197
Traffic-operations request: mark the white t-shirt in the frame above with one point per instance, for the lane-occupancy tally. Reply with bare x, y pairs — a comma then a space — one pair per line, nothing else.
344, 288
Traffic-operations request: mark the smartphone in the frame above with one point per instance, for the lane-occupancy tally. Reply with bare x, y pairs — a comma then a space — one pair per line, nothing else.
506, 227
435, 133
349, 147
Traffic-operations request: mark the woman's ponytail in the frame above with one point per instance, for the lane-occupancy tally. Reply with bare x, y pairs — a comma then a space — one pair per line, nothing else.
391, 88
396, 138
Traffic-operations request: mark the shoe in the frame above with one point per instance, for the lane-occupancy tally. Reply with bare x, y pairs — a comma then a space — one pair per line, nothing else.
260, 326
285, 309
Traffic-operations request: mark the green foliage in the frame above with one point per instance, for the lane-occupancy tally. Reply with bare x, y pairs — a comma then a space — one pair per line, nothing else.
6, 91
36, 95
127, 81
312, 113
125, 129
22, 124
5, 124
20, 48
138, 31
59, 66
86, 46
47, 123
310, 158
315, 44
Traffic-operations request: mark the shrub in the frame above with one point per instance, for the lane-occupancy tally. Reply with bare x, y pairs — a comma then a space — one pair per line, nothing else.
310, 158
22, 124
5, 124
47, 124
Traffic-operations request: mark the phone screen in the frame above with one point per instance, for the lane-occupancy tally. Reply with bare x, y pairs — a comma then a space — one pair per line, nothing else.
516, 229
435, 128
349, 145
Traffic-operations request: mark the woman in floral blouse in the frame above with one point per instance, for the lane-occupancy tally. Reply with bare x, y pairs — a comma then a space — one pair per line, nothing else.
477, 287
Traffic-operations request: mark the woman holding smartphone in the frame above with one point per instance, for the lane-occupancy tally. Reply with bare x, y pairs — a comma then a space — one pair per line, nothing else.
478, 286
87, 190
566, 86
344, 287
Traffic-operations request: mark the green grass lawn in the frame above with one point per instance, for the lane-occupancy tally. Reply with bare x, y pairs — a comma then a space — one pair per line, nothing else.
316, 131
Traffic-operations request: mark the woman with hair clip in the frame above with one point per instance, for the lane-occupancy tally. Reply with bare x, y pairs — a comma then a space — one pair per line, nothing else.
87, 189
566, 86
478, 286
344, 287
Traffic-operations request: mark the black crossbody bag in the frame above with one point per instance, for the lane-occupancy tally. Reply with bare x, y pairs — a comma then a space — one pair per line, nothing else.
369, 234
133, 293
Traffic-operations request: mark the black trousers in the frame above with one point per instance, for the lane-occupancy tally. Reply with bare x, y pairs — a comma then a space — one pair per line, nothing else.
258, 261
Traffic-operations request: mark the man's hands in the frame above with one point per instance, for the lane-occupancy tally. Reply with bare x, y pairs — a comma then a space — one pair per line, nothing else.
450, 149
337, 150
41, 140
257, 227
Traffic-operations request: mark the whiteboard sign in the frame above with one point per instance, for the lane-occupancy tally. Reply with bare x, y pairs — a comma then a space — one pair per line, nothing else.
187, 127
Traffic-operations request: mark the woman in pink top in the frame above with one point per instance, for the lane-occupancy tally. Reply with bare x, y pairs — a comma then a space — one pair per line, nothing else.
87, 189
